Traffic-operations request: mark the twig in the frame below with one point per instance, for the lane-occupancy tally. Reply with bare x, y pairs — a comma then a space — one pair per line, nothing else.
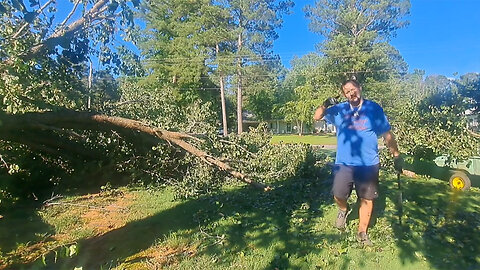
118, 104
3, 161
84, 205
192, 124
241, 147
116, 134
232, 160
99, 20
219, 240
53, 249
70, 14
17, 34
56, 197
474, 134
73, 133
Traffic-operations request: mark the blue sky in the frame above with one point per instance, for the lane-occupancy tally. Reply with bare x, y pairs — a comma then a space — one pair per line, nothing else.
443, 36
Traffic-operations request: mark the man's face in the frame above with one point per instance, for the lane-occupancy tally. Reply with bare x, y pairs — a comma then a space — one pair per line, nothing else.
352, 93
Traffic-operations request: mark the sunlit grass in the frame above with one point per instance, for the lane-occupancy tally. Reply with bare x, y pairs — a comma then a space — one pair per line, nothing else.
290, 227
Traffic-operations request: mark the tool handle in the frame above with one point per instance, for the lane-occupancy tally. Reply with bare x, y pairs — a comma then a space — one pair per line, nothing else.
399, 183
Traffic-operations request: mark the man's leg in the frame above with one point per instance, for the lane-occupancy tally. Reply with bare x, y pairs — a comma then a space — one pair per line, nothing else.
342, 203
341, 220
364, 213
342, 187
367, 191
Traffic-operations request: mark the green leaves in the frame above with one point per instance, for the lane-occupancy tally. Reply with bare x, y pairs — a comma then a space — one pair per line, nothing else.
71, 250
29, 16
136, 3
2, 9
18, 5
429, 118
113, 6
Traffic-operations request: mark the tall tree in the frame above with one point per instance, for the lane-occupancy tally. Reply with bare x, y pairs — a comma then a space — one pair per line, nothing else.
469, 86
305, 85
261, 82
357, 33
255, 27
180, 40
299, 110
185, 46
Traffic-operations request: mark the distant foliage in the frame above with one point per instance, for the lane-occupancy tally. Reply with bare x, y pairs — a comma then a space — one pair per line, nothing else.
429, 118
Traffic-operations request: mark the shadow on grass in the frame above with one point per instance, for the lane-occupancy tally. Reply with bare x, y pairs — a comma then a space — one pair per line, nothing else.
268, 214
21, 227
275, 220
279, 220
439, 226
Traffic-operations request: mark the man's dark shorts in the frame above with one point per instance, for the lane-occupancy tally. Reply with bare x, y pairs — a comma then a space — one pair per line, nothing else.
365, 179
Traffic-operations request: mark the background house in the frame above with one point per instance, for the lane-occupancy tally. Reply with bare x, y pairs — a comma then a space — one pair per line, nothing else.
473, 119
280, 126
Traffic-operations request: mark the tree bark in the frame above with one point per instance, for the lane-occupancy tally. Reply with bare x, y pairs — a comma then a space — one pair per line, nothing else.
222, 97
239, 87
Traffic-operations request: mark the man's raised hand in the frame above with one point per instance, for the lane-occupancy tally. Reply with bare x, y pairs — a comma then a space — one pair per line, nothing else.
330, 102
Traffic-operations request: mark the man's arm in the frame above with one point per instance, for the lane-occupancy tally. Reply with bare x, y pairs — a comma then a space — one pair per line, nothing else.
319, 113
393, 147
391, 143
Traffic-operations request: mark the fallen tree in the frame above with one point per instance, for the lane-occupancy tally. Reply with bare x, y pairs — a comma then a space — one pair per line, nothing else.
16, 127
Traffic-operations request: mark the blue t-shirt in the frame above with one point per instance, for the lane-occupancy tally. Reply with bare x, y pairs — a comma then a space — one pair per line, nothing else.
357, 132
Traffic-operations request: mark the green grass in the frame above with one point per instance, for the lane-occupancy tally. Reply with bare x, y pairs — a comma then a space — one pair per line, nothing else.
308, 139
289, 227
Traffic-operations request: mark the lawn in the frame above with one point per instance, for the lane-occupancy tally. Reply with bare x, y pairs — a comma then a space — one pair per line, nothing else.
290, 227
308, 139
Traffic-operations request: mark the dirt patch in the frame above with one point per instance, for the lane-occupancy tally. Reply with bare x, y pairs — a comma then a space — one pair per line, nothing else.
96, 214
28, 254
409, 173
158, 257
109, 217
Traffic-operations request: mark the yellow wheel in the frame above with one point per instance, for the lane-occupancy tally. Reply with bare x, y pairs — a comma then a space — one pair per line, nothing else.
460, 181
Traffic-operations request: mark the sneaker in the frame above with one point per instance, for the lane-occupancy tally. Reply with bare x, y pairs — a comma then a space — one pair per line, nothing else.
341, 220
362, 238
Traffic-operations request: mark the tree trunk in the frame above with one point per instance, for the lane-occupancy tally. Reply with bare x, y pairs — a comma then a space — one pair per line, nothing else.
90, 77
224, 108
222, 98
239, 87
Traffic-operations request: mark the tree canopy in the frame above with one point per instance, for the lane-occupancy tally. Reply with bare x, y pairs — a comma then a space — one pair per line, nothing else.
357, 33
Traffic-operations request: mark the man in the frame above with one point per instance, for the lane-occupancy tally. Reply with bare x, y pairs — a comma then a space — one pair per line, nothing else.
359, 123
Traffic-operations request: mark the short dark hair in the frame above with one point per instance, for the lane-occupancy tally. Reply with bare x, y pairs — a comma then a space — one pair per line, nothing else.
352, 81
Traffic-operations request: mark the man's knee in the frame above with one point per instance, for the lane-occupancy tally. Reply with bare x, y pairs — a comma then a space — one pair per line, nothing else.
366, 202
